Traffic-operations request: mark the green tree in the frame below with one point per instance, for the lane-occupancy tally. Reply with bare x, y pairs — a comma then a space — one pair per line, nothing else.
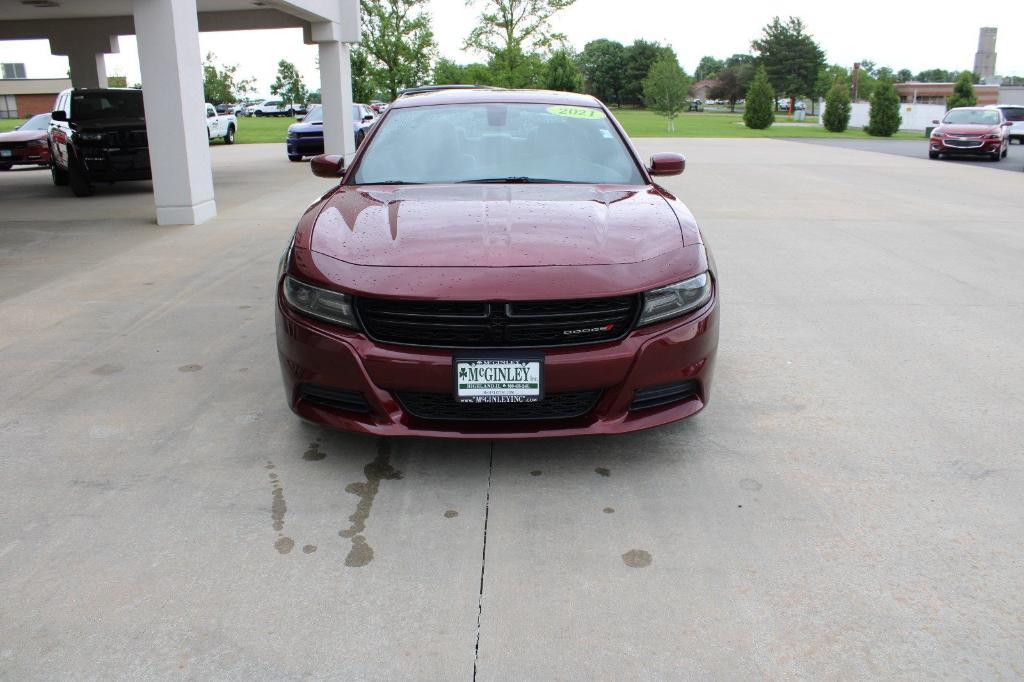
603, 64
447, 72
709, 67
759, 111
399, 43
790, 56
884, 115
514, 33
364, 88
963, 92
666, 88
904, 76
288, 85
561, 73
220, 83
733, 82
837, 107
738, 58
640, 57
935, 76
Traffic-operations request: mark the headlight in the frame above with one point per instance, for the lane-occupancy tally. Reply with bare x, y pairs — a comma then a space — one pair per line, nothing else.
37, 143
292, 134
937, 134
676, 299
91, 137
993, 136
329, 306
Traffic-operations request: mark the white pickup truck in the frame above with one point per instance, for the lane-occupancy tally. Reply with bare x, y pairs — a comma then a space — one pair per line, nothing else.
223, 126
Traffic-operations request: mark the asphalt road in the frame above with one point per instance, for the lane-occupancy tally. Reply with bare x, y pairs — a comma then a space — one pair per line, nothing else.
918, 149
848, 506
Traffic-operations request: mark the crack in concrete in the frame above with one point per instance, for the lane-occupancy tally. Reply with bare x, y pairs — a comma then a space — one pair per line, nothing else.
483, 561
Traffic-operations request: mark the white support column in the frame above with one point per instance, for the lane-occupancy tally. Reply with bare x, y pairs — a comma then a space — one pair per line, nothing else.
336, 97
86, 56
172, 85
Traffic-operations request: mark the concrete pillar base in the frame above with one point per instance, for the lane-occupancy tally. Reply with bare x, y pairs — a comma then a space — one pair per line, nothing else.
186, 215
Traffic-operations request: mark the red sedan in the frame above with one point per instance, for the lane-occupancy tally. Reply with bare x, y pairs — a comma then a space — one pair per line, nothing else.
26, 145
973, 131
497, 264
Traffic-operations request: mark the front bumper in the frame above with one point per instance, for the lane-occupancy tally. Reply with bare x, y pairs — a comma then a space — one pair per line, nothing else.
315, 354
304, 146
116, 163
24, 155
947, 146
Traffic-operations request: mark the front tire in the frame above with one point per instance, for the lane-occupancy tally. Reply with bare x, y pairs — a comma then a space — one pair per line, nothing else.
6, 166
1006, 150
230, 137
933, 155
60, 176
258, 114
295, 157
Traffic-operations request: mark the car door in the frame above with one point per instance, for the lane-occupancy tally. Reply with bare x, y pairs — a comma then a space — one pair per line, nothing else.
59, 131
212, 121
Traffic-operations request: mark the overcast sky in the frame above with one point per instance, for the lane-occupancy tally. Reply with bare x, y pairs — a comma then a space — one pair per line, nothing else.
911, 35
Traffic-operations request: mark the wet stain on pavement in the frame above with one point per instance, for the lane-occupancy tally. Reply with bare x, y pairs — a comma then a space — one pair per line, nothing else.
601, 471
360, 554
107, 370
278, 508
309, 549
313, 454
608, 510
378, 470
190, 368
750, 484
536, 472
451, 514
284, 545
637, 558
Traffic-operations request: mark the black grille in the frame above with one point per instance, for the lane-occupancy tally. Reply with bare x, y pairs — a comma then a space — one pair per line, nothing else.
964, 144
656, 396
481, 324
336, 398
442, 406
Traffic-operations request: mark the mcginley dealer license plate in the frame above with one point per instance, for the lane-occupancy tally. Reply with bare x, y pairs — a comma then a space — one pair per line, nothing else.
499, 380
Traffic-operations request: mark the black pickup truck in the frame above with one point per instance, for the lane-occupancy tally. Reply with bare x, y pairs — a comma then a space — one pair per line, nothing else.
98, 135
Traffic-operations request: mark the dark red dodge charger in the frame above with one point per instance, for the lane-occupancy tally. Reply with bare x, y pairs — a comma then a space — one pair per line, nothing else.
497, 264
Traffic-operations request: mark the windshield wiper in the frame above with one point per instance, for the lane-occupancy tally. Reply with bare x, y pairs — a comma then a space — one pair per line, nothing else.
512, 180
391, 182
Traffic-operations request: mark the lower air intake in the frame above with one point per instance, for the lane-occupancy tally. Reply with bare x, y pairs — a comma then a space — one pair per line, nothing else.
658, 396
335, 398
442, 406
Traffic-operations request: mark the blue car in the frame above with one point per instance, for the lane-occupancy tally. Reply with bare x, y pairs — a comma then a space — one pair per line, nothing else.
306, 138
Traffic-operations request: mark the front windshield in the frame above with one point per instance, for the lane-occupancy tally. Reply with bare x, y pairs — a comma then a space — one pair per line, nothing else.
986, 117
86, 106
497, 143
315, 115
37, 122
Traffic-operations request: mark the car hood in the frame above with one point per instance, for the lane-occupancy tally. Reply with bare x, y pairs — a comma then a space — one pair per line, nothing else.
495, 225
23, 135
306, 128
967, 129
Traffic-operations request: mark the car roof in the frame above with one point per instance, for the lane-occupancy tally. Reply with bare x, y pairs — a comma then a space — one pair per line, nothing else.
493, 95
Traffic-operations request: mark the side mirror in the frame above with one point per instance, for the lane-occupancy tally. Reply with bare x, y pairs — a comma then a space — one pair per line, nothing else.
667, 163
299, 117
327, 166
936, 121
367, 119
1007, 123
59, 115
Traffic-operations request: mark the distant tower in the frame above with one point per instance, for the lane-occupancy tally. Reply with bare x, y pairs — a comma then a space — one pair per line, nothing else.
985, 60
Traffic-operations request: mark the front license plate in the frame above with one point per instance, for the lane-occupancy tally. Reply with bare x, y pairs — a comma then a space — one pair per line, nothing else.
499, 380
6, 152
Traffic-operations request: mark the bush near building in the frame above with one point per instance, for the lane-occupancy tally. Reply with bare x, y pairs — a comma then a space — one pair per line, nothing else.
837, 108
884, 115
963, 92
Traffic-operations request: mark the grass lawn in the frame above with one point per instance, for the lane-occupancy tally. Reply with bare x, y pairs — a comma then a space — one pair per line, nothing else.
638, 123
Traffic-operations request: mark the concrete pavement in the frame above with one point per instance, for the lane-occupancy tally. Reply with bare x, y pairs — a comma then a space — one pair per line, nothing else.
848, 505
918, 149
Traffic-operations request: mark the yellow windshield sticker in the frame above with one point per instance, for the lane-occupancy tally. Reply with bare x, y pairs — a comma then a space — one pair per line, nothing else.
576, 112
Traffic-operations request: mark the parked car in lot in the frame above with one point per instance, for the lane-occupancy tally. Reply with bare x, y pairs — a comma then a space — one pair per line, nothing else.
26, 145
306, 138
975, 131
220, 126
98, 135
497, 263
275, 107
1014, 113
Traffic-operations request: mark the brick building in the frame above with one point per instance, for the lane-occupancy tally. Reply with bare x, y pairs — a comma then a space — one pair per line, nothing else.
938, 93
24, 97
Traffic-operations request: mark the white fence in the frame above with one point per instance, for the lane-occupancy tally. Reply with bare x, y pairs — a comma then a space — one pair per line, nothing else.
912, 116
